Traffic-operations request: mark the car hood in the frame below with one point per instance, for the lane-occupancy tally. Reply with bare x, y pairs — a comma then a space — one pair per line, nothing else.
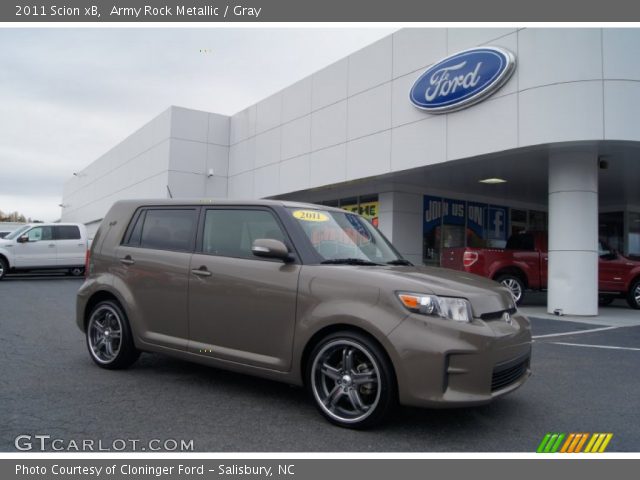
485, 296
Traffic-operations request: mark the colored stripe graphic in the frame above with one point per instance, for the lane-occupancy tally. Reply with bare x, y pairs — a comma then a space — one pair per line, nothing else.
574, 443
568, 442
599, 442
543, 443
550, 443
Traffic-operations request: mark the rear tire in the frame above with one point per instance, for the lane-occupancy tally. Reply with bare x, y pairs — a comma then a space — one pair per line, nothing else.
351, 380
76, 271
514, 284
109, 338
633, 297
4, 268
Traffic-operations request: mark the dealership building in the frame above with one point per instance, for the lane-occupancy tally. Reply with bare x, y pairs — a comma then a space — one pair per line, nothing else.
419, 139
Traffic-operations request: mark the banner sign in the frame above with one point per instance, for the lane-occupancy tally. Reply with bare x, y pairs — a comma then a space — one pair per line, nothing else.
368, 210
432, 213
476, 217
484, 220
497, 224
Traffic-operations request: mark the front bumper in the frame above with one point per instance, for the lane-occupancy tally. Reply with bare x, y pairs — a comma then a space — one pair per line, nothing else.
441, 363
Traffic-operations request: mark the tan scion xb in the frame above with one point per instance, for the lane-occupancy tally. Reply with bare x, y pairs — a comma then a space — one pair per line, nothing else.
305, 294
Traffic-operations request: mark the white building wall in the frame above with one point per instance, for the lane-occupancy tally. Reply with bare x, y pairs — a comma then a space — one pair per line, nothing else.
135, 168
199, 154
176, 150
353, 119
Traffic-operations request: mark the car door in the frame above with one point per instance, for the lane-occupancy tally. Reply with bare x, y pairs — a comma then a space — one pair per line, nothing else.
241, 307
71, 248
39, 251
152, 271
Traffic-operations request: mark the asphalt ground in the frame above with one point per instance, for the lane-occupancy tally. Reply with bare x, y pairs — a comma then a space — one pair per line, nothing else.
49, 386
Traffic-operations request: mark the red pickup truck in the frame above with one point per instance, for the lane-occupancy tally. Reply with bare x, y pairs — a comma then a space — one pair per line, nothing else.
523, 265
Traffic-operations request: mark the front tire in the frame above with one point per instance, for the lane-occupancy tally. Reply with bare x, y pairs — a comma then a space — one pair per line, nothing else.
514, 284
351, 380
633, 297
4, 268
109, 338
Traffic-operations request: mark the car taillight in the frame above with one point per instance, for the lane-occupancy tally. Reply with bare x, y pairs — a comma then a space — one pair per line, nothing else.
87, 257
469, 258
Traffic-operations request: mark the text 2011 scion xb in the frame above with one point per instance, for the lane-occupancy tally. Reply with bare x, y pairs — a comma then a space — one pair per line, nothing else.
305, 294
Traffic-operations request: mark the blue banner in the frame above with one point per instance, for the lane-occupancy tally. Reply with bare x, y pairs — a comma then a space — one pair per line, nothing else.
497, 223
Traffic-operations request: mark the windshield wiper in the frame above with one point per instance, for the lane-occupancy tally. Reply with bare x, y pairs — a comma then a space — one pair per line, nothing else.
400, 261
348, 261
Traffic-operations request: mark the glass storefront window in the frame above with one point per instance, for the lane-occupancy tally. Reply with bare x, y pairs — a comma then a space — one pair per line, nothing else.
366, 205
634, 235
538, 221
611, 229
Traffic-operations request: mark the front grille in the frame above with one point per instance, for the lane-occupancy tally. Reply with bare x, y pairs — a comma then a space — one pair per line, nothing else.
497, 315
504, 374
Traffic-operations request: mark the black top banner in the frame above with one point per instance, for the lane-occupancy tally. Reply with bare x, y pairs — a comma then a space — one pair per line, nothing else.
319, 11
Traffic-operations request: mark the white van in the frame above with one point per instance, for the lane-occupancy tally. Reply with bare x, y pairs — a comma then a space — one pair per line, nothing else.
44, 246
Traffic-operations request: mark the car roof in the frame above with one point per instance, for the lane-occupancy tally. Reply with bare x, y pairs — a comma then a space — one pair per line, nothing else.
215, 202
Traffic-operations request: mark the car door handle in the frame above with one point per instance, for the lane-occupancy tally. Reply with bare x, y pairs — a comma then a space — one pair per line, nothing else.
201, 272
127, 260
51, 245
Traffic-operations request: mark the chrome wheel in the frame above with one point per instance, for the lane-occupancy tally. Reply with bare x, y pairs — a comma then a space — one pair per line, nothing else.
3, 268
346, 381
104, 334
633, 297
514, 286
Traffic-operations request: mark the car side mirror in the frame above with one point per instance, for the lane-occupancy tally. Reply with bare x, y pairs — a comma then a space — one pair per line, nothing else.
270, 248
23, 239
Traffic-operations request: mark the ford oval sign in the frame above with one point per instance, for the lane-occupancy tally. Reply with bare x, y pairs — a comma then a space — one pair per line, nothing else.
462, 79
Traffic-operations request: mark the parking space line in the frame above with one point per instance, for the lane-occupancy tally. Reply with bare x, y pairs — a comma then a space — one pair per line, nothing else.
575, 332
610, 347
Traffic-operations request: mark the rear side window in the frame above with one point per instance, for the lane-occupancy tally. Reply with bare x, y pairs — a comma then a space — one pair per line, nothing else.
231, 233
165, 229
66, 232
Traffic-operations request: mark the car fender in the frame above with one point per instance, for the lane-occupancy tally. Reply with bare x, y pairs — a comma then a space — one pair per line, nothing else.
8, 255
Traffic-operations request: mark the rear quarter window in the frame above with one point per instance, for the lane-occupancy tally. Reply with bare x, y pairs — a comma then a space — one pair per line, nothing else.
166, 229
67, 232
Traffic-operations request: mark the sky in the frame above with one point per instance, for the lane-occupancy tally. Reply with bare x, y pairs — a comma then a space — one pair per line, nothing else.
68, 95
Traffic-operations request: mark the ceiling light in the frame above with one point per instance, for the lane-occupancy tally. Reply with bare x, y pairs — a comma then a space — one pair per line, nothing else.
492, 181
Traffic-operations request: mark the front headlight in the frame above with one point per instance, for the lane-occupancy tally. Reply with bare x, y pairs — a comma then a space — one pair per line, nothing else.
458, 309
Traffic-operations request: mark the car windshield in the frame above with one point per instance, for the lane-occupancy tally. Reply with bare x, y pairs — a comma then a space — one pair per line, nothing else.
343, 237
17, 232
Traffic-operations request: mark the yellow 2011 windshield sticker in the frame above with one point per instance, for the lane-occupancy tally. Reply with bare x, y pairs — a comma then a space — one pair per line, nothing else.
311, 216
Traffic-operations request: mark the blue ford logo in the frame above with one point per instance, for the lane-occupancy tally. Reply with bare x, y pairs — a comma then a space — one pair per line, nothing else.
462, 79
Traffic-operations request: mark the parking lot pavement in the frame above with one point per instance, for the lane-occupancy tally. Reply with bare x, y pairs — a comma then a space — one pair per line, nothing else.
48, 385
